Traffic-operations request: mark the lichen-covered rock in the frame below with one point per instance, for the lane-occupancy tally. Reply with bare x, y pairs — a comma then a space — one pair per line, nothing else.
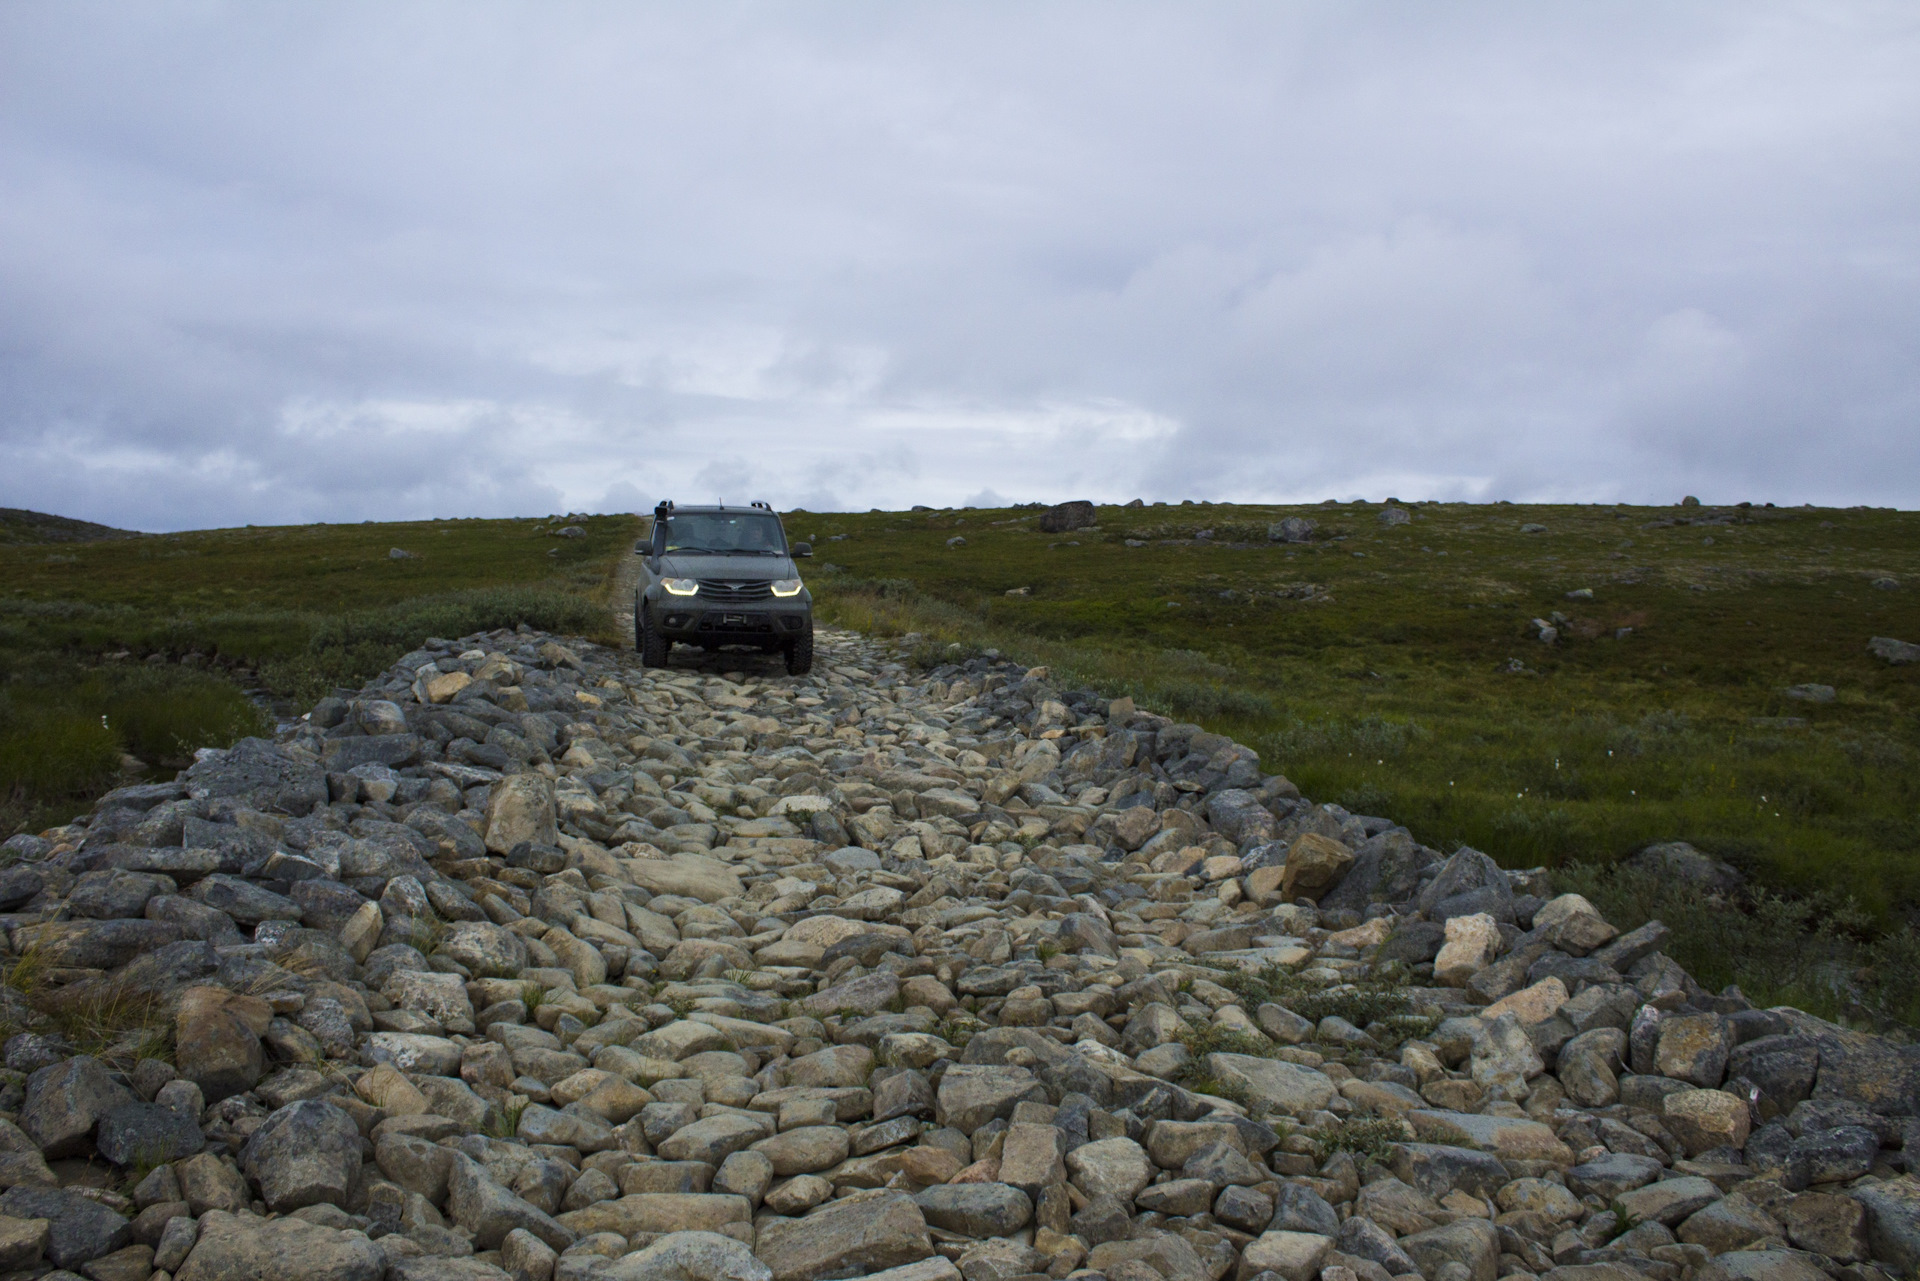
854, 1236
304, 1154
520, 809
242, 1248
147, 1134
1893, 1220
1283, 1087
217, 1040
1471, 942
1314, 865
66, 1101
1295, 1256
690, 1256
79, 1229
1706, 1119
477, 1202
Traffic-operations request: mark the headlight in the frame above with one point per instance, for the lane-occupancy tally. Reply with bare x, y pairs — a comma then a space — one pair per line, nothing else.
681, 586
786, 587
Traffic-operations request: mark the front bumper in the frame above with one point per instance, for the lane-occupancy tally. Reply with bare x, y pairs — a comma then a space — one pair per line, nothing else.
690, 620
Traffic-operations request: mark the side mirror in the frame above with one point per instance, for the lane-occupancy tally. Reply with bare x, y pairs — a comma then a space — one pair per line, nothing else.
802, 549
641, 546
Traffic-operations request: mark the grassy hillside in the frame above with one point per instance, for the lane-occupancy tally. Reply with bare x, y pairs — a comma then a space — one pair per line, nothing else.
17, 525
142, 646
1396, 669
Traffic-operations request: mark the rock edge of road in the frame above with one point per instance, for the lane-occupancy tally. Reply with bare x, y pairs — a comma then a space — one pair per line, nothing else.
526, 962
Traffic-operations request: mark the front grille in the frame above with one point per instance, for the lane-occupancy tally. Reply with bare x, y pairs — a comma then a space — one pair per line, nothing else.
719, 591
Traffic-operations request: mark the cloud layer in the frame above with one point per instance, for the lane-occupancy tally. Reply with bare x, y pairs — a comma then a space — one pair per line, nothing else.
288, 263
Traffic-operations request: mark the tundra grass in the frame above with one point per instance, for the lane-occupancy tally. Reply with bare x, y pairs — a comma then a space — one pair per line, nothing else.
140, 645
1396, 670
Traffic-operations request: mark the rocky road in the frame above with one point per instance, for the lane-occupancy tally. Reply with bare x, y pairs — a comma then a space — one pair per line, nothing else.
525, 962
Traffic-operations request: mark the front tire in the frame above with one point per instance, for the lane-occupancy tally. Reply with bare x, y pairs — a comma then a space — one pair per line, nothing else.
653, 647
800, 652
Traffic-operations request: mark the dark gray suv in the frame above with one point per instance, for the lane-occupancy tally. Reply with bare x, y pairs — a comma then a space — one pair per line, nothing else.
722, 576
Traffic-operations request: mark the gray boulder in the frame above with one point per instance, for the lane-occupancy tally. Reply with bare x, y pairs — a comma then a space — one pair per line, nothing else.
1362, 1238
79, 1228
852, 1236
1894, 651
1468, 882
1063, 518
148, 1134
1761, 1265
1472, 1243
1294, 529
1679, 862
256, 771
96, 945
233, 1247
1084, 932
970, 1096
1301, 1209
248, 904
479, 1204
1239, 816
1893, 1221
19, 884
975, 1209
111, 894
304, 1154
1117, 1168
66, 1101
689, 1256
1386, 869
429, 1267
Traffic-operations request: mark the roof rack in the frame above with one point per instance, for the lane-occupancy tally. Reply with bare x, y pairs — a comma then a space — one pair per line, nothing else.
762, 506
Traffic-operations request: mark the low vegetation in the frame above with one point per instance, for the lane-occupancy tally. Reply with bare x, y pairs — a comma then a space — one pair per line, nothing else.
1368, 1138
121, 656
97, 1016
1397, 670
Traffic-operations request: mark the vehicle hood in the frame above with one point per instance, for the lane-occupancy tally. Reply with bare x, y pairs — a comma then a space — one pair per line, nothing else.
745, 569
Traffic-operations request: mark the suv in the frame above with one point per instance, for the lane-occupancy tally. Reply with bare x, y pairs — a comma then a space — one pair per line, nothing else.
717, 576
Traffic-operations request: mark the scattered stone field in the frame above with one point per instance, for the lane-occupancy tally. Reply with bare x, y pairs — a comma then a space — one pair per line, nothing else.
525, 962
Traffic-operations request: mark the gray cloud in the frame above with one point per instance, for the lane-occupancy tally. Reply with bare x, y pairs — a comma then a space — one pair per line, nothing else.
345, 262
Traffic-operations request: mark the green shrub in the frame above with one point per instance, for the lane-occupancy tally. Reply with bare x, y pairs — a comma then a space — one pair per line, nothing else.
49, 752
1371, 1138
65, 726
1213, 1039
165, 721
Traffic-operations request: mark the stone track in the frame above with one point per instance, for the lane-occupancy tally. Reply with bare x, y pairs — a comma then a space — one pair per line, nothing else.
529, 963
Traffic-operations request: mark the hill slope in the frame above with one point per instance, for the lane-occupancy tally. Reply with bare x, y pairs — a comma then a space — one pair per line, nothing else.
18, 525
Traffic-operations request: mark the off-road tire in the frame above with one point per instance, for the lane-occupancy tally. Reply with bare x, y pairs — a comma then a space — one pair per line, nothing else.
653, 647
800, 652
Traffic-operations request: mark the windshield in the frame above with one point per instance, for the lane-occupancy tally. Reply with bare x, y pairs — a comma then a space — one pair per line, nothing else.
745, 534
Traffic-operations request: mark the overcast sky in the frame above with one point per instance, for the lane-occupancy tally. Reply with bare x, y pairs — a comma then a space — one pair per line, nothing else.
277, 263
